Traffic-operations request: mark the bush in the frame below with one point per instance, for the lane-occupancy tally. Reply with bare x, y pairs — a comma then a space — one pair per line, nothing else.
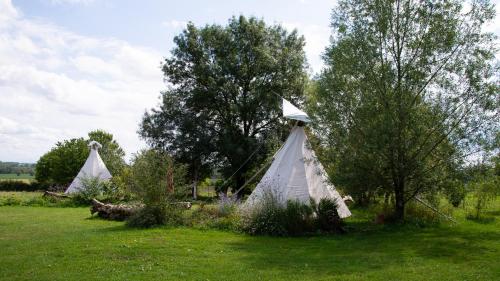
223, 216
94, 187
227, 206
298, 218
270, 217
147, 179
11, 201
155, 215
16, 185
415, 212
327, 216
484, 193
455, 192
266, 217
420, 215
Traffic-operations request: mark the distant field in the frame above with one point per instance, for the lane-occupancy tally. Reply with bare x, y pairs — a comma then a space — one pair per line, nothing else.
21, 177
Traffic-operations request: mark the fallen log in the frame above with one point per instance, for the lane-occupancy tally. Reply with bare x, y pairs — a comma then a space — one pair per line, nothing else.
110, 211
121, 212
55, 195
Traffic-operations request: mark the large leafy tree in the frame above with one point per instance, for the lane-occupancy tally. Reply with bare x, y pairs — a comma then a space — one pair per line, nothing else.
224, 101
62, 163
409, 90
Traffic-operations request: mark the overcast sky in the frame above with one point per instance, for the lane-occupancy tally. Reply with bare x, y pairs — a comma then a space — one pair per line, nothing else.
71, 66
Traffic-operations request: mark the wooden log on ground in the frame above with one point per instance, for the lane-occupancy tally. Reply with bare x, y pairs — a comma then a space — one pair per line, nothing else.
120, 212
110, 211
55, 195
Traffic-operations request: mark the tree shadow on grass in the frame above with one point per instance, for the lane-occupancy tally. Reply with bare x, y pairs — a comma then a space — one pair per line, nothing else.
373, 250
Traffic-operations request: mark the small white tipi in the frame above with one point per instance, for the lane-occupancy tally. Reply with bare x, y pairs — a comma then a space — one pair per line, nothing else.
93, 167
296, 173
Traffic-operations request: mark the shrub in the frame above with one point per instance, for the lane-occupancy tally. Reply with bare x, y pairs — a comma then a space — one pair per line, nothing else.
421, 216
415, 212
148, 216
327, 216
265, 217
147, 179
455, 192
227, 206
298, 218
155, 215
94, 187
16, 185
207, 217
485, 191
223, 215
12, 201
269, 217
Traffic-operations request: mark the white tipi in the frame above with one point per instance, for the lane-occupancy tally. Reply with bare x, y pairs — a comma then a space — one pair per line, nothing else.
296, 173
93, 167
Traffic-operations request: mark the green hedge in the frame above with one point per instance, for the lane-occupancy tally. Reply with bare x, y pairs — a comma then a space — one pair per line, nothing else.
13, 185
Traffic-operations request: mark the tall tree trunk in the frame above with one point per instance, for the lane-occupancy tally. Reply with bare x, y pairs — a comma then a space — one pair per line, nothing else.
195, 183
400, 202
170, 180
240, 181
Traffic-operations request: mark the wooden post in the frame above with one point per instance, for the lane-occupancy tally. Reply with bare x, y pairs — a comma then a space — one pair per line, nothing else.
170, 179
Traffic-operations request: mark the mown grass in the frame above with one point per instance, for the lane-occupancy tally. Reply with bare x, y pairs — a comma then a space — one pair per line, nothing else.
39, 243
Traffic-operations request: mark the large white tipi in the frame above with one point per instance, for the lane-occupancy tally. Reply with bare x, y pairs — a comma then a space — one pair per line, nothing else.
93, 167
296, 173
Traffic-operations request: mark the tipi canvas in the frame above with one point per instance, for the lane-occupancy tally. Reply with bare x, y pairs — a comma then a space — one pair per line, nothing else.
296, 173
93, 167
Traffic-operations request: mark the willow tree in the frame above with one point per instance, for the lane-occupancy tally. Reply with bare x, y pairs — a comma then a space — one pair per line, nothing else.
224, 101
409, 90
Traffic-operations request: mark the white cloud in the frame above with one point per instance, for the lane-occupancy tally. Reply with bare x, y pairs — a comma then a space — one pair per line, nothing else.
55, 84
175, 24
8, 11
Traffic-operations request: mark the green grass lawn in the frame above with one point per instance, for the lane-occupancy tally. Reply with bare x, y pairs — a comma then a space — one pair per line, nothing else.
39, 243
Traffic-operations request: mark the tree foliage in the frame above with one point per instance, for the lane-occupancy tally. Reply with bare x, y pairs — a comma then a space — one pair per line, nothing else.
409, 90
62, 163
16, 168
223, 103
148, 176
